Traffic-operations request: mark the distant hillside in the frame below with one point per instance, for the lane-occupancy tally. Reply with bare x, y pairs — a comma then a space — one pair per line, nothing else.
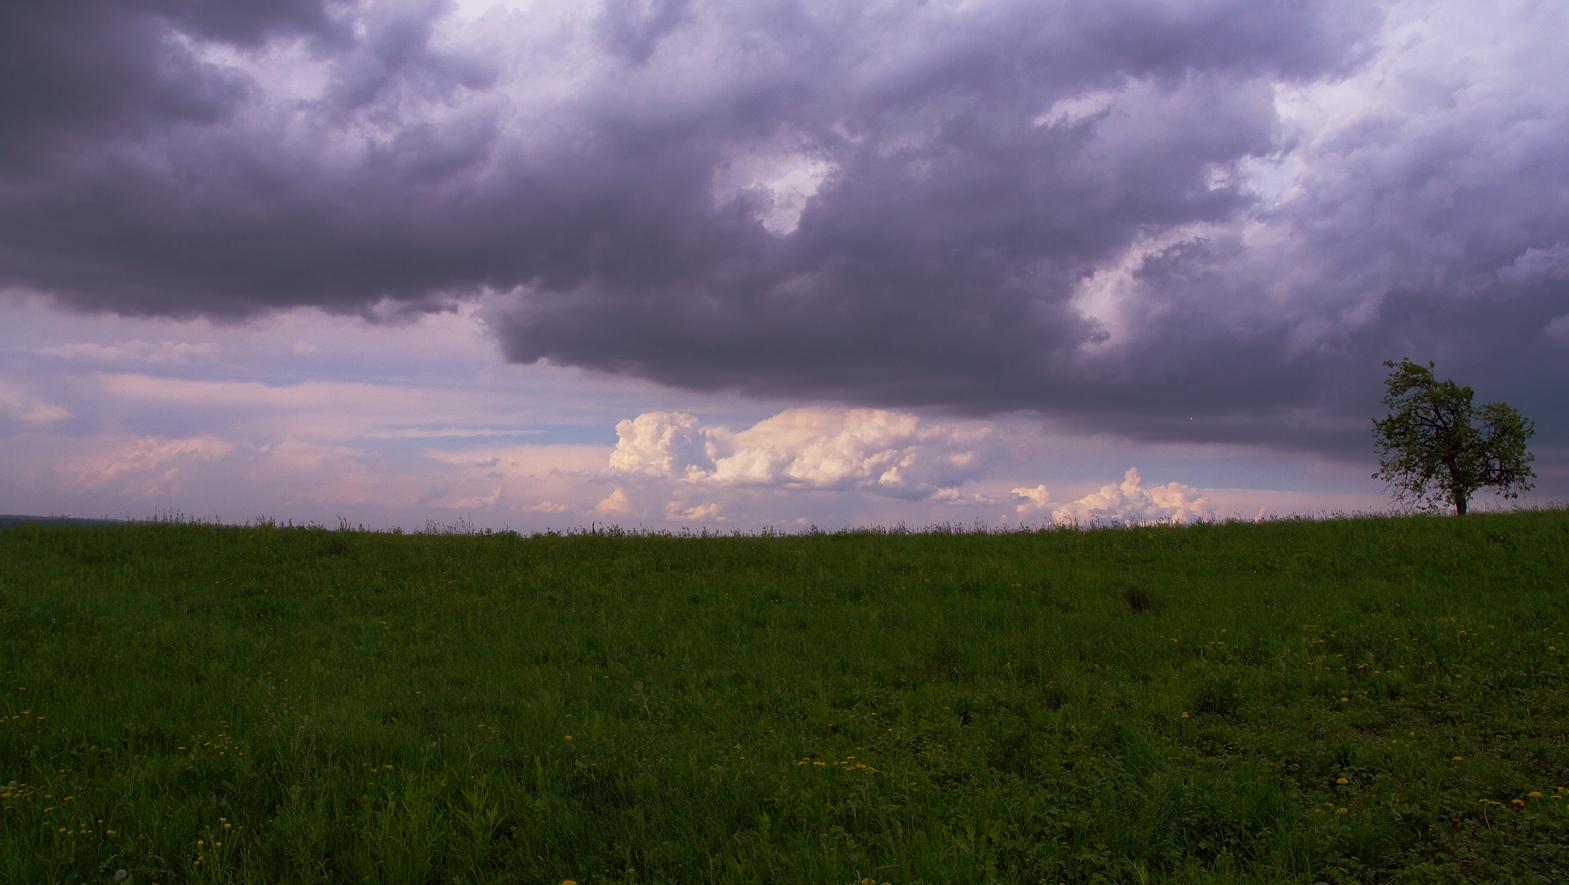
11, 520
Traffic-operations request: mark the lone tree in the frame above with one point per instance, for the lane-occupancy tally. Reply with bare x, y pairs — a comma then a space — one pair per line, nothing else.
1436, 449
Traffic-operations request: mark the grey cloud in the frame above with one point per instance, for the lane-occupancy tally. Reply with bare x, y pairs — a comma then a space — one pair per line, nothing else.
968, 174
395, 57
634, 28
1432, 227
73, 72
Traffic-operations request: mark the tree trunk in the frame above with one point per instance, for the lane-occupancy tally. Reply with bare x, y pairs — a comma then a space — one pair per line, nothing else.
1460, 504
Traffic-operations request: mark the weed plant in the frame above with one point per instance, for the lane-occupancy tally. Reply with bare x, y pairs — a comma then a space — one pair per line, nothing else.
1294, 701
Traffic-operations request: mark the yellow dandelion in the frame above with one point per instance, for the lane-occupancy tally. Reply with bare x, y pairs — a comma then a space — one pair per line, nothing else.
567, 737
1459, 759
1535, 794
1517, 801
1186, 715
1341, 810
1342, 781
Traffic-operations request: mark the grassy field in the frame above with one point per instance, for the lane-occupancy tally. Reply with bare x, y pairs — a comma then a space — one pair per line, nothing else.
1350, 700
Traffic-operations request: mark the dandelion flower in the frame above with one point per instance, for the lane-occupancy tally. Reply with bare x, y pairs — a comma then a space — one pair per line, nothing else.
1342, 781
1341, 810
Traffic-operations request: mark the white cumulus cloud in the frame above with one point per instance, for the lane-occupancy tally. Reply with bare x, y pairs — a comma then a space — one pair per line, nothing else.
614, 504
1132, 501
681, 512
871, 450
1032, 499
667, 444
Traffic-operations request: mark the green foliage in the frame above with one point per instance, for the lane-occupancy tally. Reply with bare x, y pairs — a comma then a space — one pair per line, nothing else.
1341, 701
1436, 449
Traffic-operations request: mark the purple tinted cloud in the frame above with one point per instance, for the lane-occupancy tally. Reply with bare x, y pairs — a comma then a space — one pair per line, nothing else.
1108, 212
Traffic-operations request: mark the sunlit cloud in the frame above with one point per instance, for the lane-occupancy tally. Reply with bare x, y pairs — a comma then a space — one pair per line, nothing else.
22, 406
1032, 499
1130, 501
614, 504
868, 450
680, 511
151, 464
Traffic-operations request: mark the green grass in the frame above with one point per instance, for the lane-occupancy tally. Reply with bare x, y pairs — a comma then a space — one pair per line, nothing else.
205, 703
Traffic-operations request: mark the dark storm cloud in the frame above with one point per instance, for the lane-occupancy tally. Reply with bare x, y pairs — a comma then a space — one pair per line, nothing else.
620, 183
74, 71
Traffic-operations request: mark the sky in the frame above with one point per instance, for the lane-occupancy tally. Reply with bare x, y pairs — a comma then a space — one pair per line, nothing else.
765, 265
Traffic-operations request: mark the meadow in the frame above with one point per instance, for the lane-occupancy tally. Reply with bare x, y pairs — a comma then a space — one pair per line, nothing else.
1368, 699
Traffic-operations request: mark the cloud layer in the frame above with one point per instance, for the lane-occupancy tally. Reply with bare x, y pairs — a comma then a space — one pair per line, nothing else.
1197, 221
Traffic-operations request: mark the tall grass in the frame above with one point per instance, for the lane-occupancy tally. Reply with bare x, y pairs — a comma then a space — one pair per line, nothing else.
1348, 700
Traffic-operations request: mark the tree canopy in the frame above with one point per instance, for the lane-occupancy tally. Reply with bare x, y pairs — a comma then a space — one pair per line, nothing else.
1435, 449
